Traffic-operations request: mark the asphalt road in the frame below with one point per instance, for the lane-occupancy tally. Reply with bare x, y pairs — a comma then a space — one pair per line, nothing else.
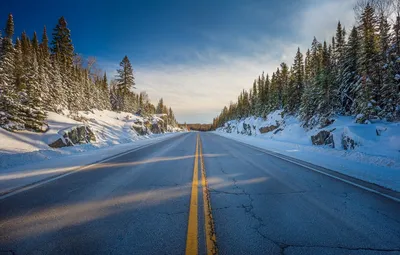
243, 202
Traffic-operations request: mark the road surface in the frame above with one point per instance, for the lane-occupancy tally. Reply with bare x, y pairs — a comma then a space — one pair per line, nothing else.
242, 201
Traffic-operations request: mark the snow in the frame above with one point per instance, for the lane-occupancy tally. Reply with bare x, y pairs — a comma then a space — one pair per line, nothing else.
375, 159
25, 157
110, 128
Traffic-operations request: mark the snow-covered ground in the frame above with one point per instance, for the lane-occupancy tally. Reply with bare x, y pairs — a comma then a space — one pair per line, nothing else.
110, 128
26, 157
375, 158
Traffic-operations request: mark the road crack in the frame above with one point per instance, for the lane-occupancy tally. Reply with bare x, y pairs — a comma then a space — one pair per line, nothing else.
225, 192
172, 213
285, 246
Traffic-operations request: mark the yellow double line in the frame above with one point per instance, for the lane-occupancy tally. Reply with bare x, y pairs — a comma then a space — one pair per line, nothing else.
192, 240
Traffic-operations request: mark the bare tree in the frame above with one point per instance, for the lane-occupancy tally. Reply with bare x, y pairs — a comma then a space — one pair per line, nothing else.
77, 60
385, 7
91, 61
94, 71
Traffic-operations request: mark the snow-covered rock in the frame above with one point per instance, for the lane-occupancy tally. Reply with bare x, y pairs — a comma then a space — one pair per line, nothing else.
323, 138
73, 136
369, 152
267, 129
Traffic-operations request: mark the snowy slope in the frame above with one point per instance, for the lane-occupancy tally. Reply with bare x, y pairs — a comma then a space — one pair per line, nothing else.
375, 158
110, 128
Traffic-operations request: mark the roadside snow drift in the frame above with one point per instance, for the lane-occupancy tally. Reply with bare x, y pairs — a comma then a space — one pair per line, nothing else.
108, 128
370, 152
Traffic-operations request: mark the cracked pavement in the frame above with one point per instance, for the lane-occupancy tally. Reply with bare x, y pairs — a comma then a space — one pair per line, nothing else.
260, 204
265, 205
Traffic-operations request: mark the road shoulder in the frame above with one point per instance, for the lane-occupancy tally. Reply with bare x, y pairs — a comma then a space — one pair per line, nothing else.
340, 176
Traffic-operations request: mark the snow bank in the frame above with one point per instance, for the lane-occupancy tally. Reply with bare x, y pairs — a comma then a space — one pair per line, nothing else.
110, 128
375, 158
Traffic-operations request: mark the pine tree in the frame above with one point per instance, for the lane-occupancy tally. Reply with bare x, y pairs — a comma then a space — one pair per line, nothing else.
254, 97
266, 102
368, 86
9, 102
283, 85
348, 81
396, 35
309, 99
105, 92
325, 86
386, 99
56, 90
126, 82
160, 106
261, 94
274, 92
340, 42
45, 70
62, 47
296, 84
125, 78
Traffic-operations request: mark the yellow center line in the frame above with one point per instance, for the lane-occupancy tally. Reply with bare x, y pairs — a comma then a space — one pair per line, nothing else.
192, 238
192, 233
211, 239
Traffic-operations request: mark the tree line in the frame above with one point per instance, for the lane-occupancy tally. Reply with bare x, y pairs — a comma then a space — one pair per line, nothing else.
199, 127
357, 75
40, 76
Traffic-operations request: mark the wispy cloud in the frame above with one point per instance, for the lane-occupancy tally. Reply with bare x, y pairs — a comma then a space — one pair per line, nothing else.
208, 79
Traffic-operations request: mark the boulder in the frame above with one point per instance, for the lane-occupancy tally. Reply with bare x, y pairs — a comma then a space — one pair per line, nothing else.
58, 143
228, 128
267, 129
323, 138
380, 130
156, 129
141, 130
246, 129
348, 143
76, 135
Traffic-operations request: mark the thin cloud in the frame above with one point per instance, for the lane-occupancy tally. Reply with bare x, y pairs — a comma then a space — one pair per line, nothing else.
209, 79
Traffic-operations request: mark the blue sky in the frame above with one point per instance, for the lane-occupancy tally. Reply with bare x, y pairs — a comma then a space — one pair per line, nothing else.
198, 55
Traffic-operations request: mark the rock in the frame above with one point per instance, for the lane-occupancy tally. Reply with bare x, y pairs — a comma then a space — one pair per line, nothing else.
361, 119
380, 130
246, 129
348, 143
141, 130
323, 138
155, 129
267, 129
58, 144
228, 129
77, 135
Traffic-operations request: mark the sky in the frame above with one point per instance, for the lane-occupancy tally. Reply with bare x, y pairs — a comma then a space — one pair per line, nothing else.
197, 55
